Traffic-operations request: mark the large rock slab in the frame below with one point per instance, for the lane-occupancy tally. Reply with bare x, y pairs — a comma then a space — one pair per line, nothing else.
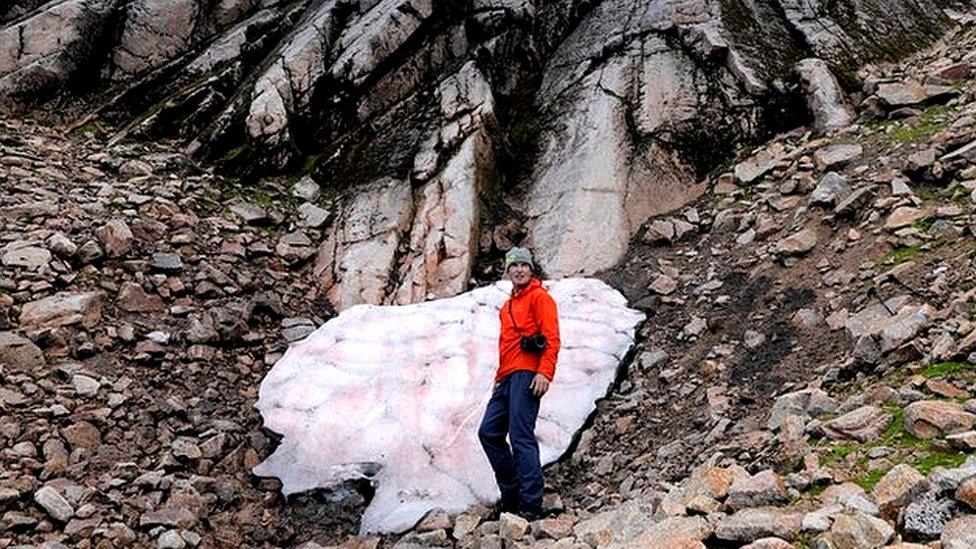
63, 309
412, 382
936, 418
754, 523
863, 425
355, 261
824, 95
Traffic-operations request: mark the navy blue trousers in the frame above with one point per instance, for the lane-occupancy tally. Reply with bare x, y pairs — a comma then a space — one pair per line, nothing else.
512, 412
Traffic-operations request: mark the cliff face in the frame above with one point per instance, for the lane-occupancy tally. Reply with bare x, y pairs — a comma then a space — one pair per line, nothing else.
587, 117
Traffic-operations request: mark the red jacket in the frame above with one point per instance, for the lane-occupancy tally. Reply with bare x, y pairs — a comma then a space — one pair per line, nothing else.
527, 312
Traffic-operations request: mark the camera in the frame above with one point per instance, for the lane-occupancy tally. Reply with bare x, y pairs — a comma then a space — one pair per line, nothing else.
533, 343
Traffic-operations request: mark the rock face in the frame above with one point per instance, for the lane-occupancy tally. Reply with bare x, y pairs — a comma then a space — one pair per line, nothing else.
596, 109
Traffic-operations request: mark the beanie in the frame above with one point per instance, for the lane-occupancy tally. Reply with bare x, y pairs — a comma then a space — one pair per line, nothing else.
518, 255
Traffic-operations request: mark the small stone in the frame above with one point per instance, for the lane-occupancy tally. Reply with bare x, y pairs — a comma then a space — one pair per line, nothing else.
512, 527
966, 492
864, 424
660, 231
903, 216
170, 539
28, 257
751, 524
798, 243
901, 94
307, 189
134, 299
664, 285
831, 189
167, 262
54, 504
313, 216
959, 533
116, 238
836, 155
926, 516
765, 488
64, 309
859, 530
19, 353
61, 245
249, 213
84, 385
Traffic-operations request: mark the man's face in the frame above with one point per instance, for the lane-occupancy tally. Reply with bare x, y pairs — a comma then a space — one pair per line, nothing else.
520, 273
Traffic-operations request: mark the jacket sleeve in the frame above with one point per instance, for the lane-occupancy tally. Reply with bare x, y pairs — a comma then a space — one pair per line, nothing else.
548, 318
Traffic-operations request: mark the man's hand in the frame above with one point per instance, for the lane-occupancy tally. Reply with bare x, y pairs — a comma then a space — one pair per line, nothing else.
540, 384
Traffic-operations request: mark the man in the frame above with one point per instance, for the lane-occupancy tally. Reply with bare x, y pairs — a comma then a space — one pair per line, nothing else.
523, 377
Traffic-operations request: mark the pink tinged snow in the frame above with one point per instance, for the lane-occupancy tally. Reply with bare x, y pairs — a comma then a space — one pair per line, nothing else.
396, 394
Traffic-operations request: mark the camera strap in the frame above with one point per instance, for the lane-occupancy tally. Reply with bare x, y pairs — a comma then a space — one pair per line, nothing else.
512, 316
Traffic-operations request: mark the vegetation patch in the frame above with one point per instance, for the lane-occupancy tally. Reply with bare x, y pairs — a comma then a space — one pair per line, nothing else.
930, 122
943, 369
900, 255
868, 482
949, 460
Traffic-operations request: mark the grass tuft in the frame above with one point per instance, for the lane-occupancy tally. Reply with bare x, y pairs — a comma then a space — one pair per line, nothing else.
930, 122
942, 369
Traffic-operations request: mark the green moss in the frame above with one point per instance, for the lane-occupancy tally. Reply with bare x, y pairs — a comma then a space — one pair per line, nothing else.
897, 425
949, 460
899, 255
309, 163
943, 369
93, 126
929, 123
868, 482
841, 451
922, 225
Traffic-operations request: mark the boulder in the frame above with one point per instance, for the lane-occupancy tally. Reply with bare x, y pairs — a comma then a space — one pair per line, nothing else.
959, 533
19, 353
836, 155
936, 418
898, 488
64, 309
751, 524
825, 99
831, 190
864, 424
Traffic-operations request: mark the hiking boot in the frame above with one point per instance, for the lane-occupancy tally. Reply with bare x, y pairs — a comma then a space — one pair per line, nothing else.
504, 505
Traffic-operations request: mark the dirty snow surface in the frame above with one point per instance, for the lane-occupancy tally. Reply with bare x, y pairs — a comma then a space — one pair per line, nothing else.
396, 394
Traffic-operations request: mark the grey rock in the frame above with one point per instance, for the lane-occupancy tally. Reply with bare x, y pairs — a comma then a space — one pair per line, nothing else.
19, 353
926, 516
748, 525
64, 309
825, 99
28, 257
864, 424
831, 189
959, 533
837, 155
307, 189
167, 262
54, 503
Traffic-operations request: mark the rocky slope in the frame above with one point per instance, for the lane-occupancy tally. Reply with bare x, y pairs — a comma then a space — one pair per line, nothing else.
806, 374
434, 114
